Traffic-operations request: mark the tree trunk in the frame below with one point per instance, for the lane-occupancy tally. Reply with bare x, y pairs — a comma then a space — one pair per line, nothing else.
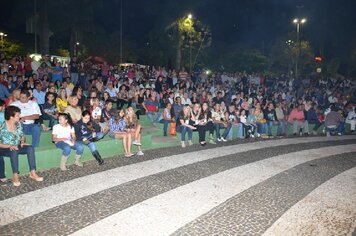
44, 28
72, 43
179, 54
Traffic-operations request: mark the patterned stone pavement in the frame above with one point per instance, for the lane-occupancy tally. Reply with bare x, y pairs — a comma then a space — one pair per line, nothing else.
235, 188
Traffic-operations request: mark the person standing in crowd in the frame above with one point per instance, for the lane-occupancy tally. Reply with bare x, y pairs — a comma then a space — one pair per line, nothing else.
13, 144
57, 73
88, 132
63, 136
30, 112
118, 130
73, 69
4, 92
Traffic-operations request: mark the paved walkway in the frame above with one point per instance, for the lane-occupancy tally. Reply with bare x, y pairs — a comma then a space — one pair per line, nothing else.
295, 186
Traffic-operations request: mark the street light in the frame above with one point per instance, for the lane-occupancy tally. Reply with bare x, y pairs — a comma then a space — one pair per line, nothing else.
298, 22
2, 35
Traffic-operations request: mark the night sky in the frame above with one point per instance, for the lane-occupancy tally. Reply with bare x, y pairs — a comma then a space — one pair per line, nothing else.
331, 23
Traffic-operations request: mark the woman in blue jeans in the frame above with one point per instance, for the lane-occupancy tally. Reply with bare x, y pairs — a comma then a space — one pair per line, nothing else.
183, 125
12, 144
88, 132
63, 135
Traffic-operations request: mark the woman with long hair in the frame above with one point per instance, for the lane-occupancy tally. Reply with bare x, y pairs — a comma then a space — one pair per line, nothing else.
118, 130
87, 132
183, 125
134, 128
63, 136
61, 100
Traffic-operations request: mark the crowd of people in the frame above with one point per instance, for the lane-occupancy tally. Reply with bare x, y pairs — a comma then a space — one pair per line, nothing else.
83, 102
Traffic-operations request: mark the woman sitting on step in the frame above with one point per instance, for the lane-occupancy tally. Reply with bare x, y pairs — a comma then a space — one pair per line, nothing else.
63, 136
12, 144
134, 128
118, 130
88, 132
183, 125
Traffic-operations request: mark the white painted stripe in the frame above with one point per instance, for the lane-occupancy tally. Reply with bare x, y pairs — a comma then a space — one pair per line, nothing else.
330, 209
167, 212
25, 205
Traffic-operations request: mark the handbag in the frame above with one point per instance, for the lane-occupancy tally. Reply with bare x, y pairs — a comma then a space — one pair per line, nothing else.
172, 129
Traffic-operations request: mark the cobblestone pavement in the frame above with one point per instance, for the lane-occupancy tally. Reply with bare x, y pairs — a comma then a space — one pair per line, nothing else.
235, 188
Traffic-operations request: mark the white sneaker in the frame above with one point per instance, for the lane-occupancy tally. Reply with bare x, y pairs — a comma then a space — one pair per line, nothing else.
224, 140
258, 135
252, 136
219, 140
137, 143
212, 141
139, 153
339, 134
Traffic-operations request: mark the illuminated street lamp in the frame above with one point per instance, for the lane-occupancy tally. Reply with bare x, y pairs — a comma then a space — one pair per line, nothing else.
298, 22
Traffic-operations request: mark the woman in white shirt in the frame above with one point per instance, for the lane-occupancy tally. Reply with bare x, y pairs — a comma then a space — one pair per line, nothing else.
63, 136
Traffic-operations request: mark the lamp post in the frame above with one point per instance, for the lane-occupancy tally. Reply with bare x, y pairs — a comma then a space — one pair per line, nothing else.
2, 35
298, 22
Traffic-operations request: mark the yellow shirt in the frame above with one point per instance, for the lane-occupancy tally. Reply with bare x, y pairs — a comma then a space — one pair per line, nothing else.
61, 103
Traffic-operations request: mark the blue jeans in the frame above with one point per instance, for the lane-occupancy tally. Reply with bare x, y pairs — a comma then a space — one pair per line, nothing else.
281, 130
152, 116
165, 125
74, 78
2, 168
339, 129
66, 148
239, 131
269, 127
221, 126
83, 82
261, 128
35, 131
14, 158
91, 145
50, 118
183, 130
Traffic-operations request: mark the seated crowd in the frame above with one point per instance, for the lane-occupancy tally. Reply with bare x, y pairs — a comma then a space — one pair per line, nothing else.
84, 102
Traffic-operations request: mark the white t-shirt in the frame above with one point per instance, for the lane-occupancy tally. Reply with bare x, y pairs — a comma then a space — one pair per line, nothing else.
27, 109
96, 113
63, 132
